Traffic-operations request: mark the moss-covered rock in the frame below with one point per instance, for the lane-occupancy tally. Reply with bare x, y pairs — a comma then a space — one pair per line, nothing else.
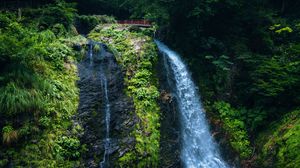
279, 145
136, 53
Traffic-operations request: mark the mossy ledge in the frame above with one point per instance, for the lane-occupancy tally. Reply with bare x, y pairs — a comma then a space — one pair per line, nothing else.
135, 51
279, 145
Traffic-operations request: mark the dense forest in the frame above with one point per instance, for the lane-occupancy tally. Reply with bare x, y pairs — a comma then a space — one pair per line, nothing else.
244, 57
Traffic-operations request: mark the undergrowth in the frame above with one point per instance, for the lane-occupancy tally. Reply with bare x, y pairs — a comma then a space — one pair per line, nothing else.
38, 93
235, 128
279, 145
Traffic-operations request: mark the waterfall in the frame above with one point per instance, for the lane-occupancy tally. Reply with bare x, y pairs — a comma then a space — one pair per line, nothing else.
105, 161
90, 52
98, 57
198, 149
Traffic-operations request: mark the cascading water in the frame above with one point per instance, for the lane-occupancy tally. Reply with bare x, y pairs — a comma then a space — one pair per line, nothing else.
105, 160
198, 147
90, 52
104, 109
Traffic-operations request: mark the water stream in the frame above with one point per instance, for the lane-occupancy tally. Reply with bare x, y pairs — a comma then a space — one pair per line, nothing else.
90, 53
198, 148
105, 161
106, 105
94, 56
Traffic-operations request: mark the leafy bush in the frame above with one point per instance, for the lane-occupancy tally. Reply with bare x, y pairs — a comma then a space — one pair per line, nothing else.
221, 78
253, 118
68, 147
58, 53
236, 129
45, 121
5, 18
60, 12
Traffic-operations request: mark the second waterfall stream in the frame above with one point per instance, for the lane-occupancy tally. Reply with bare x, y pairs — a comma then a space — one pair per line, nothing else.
198, 148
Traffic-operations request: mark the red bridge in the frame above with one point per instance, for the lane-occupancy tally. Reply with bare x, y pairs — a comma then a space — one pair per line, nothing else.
140, 23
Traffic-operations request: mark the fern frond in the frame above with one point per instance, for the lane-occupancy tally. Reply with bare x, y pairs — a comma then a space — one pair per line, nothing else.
9, 135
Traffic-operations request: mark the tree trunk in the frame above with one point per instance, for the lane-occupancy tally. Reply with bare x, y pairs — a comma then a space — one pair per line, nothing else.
19, 14
283, 6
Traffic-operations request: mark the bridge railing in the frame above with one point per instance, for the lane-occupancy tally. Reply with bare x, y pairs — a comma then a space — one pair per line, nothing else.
135, 22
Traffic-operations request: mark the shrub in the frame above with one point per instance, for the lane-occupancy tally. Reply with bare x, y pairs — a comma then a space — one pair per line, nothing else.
236, 129
60, 12
68, 147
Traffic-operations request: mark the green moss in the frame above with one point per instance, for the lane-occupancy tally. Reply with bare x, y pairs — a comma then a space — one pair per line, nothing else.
97, 48
136, 53
279, 146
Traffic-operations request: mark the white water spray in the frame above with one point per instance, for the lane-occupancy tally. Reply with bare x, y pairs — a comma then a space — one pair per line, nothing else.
198, 147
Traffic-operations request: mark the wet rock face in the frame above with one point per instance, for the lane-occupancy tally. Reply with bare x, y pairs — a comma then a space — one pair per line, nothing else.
91, 110
169, 130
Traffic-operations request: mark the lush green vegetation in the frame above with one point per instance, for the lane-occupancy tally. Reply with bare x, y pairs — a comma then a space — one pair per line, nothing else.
137, 54
235, 126
38, 94
244, 56
279, 145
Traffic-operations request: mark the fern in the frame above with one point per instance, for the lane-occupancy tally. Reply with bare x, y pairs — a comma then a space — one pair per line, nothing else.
14, 100
9, 135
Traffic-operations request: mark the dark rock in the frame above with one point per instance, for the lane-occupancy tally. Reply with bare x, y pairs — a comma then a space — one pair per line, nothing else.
77, 47
91, 112
169, 130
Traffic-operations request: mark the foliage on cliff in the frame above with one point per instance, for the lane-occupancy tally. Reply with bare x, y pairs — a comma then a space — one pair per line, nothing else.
136, 53
236, 128
279, 143
38, 93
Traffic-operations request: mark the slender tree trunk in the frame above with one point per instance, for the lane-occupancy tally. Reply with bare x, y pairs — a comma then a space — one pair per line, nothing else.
283, 6
19, 13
